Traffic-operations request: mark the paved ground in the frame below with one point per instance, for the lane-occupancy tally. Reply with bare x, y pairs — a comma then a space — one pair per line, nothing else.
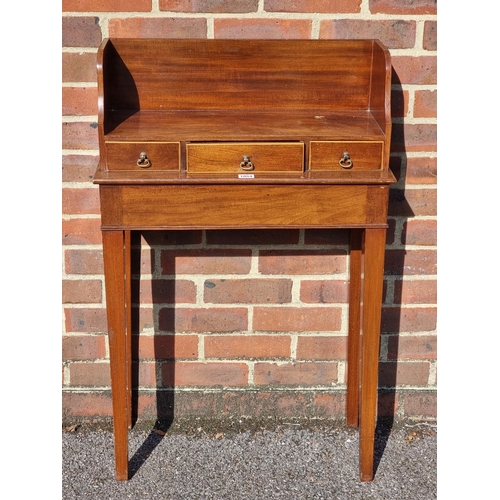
288, 461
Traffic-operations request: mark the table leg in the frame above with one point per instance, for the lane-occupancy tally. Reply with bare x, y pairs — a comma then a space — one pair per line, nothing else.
374, 249
128, 329
116, 292
353, 340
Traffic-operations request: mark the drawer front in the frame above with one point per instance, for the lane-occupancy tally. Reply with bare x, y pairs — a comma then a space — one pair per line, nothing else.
143, 155
345, 155
245, 157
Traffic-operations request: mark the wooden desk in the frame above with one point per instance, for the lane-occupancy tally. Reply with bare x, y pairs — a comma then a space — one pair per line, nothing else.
233, 134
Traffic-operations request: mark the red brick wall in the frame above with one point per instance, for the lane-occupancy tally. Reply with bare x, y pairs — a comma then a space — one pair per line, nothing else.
260, 313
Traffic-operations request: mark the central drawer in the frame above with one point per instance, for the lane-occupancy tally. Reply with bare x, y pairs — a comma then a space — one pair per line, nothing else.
241, 157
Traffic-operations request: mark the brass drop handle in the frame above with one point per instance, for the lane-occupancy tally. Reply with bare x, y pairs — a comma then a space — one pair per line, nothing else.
143, 161
345, 161
246, 164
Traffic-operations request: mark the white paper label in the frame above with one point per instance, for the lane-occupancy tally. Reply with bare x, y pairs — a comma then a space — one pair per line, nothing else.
246, 176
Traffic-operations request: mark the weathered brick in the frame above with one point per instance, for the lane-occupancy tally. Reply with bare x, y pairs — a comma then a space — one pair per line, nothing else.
417, 347
167, 291
415, 292
302, 374
323, 291
89, 374
248, 291
403, 373
79, 67
79, 135
403, 7
84, 261
419, 232
86, 404
329, 404
421, 170
81, 31
321, 6
182, 238
166, 346
86, 320
321, 348
79, 101
252, 237
410, 262
399, 103
206, 261
247, 346
82, 291
81, 231
212, 374
297, 319
414, 137
302, 261
412, 202
209, 6
396, 33
262, 28
79, 168
77, 201
430, 35
160, 27
326, 236
83, 347
406, 319
421, 404
144, 374
425, 104
203, 320
106, 5
421, 70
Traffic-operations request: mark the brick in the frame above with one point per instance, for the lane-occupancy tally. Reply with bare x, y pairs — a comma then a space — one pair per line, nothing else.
413, 137
421, 170
79, 135
324, 291
80, 201
326, 237
166, 346
81, 231
397, 34
403, 373
406, 319
262, 28
388, 403
79, 101
321, 6
248, 291
321, 348
144, 374
168, 291
419, 232
86, 404
399, 103
297, 319
415, 292
82, 291
412, 202
182, 238
160, 27
391, 232
84, 347
410, 262
302, 261
209, 6
247, 346
142, 260
430, 35
425, 104
402, 7
206, 261
79, 67
106, 5
252, 237
84, 261
79, 168
203, 320
143, 317
89, 374
421, 404
329, 404
303, 374
81, 32
213, 374
86, 320
418, 347
420, 70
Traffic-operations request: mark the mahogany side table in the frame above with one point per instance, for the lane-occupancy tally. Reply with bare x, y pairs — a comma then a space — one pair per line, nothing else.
235, 134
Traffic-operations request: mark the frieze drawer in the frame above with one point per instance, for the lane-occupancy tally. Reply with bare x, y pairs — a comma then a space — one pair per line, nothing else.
143, 155
346, 155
